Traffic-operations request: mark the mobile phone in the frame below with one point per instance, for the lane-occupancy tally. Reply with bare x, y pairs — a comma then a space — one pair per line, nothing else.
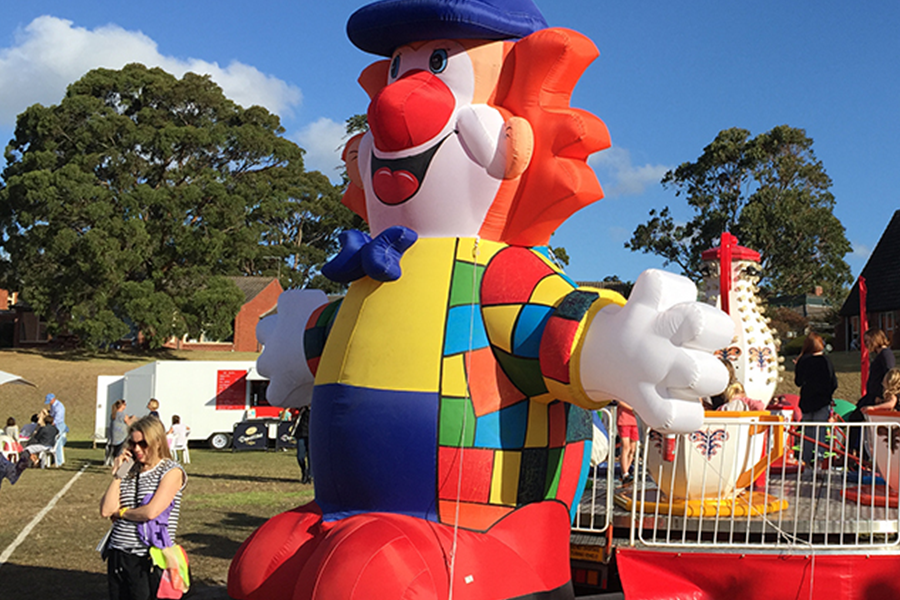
124, 468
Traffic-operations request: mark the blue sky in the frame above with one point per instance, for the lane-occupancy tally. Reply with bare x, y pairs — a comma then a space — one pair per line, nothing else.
670, 76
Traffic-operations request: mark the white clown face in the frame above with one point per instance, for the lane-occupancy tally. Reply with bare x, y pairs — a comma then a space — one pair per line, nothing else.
433, 159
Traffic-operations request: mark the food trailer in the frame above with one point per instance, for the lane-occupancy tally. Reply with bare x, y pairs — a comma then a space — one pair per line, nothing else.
210, 397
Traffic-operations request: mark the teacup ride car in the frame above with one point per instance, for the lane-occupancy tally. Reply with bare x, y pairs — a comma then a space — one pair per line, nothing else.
883, 446
711, 471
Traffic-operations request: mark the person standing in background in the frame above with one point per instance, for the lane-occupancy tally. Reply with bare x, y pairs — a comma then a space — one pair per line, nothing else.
301, 434
118, 428
882, 361
814, 375
627, 428
58, 412
153, 407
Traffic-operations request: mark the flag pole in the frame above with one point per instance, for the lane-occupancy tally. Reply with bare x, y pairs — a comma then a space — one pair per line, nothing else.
863, 327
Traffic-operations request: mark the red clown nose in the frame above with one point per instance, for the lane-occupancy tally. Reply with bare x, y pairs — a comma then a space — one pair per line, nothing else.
410, 111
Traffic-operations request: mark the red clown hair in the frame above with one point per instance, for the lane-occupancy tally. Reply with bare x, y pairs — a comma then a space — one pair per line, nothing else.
536, 81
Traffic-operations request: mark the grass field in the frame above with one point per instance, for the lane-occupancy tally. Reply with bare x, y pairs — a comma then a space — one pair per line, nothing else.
227, 497
73, 378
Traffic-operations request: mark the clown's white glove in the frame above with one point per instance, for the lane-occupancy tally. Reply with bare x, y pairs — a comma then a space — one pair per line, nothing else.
655, 353
283, 360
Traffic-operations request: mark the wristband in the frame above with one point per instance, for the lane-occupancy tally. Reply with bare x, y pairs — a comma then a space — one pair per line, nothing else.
122, 512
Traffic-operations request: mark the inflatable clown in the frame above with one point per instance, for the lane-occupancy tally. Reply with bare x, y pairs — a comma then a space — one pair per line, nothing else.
451, 387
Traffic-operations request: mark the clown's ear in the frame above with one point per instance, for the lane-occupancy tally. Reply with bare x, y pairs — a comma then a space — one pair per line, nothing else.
374, 77
354, 196
519, 138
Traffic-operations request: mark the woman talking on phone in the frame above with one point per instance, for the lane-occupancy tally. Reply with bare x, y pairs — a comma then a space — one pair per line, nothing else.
146, 483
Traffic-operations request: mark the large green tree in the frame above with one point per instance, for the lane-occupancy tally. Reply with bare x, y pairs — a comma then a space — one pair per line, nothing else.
128, 203
773, 194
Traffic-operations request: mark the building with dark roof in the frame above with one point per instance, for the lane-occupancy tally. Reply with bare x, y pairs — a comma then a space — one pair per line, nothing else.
814, 307
882, 276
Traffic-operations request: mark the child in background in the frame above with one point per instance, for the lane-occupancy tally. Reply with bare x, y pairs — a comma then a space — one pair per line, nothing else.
736, 399
627, 428
153, 407
12, 430
178, 433
891, 384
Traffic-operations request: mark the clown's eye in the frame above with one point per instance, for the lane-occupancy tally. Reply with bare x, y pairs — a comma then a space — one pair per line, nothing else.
438, 61
395, 67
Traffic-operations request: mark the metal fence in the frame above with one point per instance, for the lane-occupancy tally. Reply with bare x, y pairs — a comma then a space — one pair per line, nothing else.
740, 483
596, 511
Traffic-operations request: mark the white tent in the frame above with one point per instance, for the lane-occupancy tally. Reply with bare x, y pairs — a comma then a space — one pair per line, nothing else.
10, 378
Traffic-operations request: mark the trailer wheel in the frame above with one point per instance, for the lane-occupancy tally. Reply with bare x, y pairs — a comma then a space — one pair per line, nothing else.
220, 441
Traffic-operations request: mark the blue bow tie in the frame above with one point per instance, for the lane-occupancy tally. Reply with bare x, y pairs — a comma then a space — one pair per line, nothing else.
360, 255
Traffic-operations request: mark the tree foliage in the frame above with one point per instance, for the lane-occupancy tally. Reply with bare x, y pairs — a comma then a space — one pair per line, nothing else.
773, 194
129, 202
787, 322
357, 124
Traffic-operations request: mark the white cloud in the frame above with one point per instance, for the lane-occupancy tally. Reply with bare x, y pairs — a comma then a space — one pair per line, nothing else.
619, 234
50, 53
620, 177
323, 141
861, 251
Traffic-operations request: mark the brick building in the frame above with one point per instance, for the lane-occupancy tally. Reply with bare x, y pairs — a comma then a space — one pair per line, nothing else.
260, 296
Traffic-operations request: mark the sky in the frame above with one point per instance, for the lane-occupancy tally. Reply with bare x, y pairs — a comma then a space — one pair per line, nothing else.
670, 76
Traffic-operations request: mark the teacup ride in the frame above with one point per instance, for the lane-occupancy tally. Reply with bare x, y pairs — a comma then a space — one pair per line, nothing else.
710, 472
883, 445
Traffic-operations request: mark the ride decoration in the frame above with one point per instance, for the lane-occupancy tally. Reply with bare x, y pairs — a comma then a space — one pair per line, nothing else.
731, 273
450, 429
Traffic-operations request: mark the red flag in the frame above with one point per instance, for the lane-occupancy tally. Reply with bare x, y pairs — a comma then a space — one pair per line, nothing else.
863, 326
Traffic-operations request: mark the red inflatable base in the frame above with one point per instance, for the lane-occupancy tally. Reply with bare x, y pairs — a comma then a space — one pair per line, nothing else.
381, 556
657, 575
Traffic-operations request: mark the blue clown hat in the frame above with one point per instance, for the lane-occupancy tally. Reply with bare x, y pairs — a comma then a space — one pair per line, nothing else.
382, 26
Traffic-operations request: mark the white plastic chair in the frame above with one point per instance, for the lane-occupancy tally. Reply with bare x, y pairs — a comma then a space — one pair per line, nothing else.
48, 457
181, 444
8, 449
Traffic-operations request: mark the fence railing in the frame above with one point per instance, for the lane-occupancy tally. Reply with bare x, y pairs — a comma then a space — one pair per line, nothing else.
740, 483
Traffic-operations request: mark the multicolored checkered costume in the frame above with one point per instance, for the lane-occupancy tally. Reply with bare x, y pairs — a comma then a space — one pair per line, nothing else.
447, 394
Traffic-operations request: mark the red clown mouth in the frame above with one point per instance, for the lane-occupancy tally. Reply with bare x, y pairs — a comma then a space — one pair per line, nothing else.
397, 180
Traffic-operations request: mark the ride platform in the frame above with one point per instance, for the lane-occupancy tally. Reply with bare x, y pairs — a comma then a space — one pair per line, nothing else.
745, 504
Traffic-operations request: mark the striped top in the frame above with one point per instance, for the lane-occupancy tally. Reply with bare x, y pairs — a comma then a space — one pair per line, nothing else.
125, 533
